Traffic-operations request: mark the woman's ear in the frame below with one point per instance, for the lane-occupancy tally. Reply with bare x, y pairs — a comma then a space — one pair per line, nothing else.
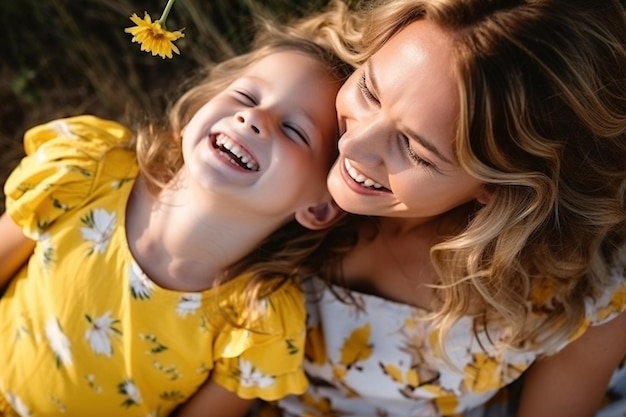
485, 195
319, 216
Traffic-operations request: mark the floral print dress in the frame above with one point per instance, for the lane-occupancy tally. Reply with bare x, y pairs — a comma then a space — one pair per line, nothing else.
85, 332
380, 361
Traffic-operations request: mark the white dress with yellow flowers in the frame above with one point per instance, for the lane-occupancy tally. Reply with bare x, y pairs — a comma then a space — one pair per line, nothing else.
379, 360
85, 332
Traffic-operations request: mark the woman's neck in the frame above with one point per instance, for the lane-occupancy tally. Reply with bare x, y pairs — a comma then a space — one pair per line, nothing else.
183, 241
392, 257
437, 227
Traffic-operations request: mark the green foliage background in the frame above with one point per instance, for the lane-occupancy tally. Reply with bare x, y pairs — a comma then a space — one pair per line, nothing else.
67, 57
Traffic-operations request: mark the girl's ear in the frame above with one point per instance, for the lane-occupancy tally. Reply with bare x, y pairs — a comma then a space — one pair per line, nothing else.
319, 216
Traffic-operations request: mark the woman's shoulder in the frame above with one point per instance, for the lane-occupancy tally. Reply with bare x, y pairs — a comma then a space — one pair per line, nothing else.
606, 304
67, 161
612, 301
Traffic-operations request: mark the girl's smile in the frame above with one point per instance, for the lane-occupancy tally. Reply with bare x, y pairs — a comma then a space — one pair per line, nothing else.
234, 151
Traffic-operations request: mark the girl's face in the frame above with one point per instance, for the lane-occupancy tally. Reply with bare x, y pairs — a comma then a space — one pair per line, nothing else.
398, 112
266, 143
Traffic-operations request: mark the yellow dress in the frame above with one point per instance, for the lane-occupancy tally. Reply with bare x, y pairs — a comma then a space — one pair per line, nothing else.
85, 332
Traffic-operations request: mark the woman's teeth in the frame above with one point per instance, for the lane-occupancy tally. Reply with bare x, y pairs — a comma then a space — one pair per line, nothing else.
360, 178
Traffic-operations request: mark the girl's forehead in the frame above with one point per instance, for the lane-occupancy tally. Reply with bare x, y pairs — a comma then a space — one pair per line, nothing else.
287, 60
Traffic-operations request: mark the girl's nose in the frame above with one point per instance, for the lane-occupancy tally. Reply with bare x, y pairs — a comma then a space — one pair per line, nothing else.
249, 119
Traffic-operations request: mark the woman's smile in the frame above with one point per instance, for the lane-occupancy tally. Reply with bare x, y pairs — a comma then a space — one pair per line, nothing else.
360, 178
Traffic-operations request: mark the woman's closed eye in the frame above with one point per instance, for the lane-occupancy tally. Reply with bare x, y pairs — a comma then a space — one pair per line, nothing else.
413, 155
365, 90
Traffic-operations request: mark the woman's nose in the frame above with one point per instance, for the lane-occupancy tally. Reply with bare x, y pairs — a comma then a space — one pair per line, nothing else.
364, 140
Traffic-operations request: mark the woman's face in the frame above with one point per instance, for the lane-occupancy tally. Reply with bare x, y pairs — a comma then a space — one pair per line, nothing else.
398, 113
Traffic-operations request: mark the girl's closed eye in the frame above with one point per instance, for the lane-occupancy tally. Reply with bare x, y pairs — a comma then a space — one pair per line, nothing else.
296, 133
365, 90
245, 97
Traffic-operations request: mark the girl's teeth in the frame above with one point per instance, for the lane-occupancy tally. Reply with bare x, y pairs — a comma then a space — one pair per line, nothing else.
237, 151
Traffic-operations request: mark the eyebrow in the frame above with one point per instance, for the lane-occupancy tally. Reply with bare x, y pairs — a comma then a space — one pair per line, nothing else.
425, 143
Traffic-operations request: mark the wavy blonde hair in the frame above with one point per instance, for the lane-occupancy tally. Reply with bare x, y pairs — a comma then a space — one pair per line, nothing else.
292, 251
542, 87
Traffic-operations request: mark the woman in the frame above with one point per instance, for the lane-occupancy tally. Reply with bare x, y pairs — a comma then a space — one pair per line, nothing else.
484, 144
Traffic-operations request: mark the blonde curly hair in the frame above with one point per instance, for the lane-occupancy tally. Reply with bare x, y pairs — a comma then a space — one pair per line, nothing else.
542, 87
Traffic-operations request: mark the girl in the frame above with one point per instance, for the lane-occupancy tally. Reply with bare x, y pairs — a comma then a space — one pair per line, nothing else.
118, 312
485, 141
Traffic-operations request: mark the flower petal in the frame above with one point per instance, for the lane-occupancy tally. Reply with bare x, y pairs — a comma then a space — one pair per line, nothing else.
153, 37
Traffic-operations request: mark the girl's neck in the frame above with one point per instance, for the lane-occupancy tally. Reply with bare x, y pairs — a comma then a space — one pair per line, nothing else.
183, 241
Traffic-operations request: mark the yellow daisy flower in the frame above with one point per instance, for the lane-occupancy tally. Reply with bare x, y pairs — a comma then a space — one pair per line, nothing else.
153, 36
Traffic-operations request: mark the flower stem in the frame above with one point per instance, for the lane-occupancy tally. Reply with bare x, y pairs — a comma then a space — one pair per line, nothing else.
166, 11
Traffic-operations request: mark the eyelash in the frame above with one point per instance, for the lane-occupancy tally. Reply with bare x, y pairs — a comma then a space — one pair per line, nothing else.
369, 96
414, 156
298, 133
246, 98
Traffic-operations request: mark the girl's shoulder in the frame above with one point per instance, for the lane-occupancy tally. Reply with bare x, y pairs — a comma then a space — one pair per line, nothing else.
67, 161
86, 132
279, 313
263, 358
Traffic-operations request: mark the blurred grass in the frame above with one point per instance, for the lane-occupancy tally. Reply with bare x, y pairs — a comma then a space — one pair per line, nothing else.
67, 57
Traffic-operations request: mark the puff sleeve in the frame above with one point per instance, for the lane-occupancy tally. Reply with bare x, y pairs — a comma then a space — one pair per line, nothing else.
612, 302
265, 361
61, 169
609, 304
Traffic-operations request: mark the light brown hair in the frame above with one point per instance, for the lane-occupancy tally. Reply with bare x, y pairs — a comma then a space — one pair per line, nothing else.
292, 251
